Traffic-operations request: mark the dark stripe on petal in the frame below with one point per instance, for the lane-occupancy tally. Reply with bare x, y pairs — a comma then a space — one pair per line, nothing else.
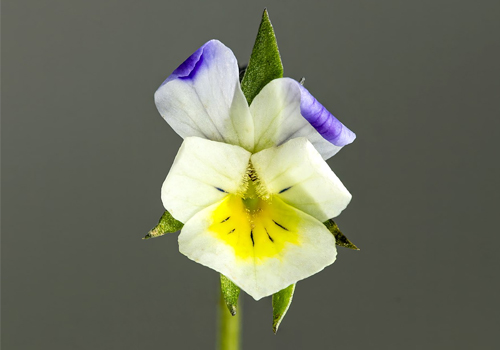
272, 240
283, 227
231, 231
285, 189
251, 237
220, 189
225, 219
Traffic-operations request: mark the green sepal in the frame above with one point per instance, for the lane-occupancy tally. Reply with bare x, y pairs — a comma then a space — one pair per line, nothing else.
281, 302
230, 293
265, 62
340, 239
166, 224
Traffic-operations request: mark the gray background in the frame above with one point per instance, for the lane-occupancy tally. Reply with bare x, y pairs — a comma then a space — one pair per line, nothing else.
84, 153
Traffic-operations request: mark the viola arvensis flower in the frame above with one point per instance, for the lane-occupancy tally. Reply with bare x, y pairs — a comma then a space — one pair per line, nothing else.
250, 183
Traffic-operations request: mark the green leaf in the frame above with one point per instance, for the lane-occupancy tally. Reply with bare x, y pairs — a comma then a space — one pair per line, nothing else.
166, 224
340, 239
265, 62
230, 292
281, 302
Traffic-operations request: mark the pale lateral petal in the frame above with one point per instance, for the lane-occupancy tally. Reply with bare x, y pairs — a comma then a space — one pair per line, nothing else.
203, 173
313, 250
203, 98
284, 110
297, 174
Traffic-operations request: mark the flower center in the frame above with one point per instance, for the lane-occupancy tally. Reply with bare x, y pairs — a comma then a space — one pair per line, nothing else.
255, 224
251, 199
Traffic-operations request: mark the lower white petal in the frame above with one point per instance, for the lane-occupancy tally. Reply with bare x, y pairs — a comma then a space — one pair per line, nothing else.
203, 173
262, 252
296, 172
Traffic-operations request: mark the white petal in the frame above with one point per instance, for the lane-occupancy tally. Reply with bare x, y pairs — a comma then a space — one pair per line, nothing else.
301, 245
203, 98
297, 174
276, 111
203, 173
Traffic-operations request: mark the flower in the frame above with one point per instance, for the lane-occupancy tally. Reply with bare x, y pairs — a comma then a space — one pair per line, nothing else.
250, 183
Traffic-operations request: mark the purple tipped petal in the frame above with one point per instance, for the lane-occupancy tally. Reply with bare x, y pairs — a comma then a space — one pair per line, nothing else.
284, 110
323, 121
203, 97
189, 68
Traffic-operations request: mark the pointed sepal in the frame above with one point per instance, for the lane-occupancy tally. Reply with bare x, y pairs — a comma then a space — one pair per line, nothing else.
340, 239
230, 293
281, 302
265, 61
166, 224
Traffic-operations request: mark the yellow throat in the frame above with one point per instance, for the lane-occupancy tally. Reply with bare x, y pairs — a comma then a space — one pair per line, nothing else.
255, 224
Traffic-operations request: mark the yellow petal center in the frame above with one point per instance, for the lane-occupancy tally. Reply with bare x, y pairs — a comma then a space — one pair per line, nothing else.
256, 226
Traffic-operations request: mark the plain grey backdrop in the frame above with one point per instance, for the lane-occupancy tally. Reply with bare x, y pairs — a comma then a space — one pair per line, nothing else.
84, 154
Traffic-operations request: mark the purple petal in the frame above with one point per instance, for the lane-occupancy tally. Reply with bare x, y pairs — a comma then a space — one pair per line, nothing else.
189, 68
323, 121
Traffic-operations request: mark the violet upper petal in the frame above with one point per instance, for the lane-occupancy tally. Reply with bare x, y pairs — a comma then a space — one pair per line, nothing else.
203, 98
284, 110
188, 68
323, 121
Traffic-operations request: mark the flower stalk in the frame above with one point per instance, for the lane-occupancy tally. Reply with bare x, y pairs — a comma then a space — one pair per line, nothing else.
229, 327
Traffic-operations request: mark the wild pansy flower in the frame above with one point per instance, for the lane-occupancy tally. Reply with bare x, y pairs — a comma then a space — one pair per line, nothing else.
250, 182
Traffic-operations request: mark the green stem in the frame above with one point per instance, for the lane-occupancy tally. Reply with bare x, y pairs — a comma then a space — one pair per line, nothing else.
229, 327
